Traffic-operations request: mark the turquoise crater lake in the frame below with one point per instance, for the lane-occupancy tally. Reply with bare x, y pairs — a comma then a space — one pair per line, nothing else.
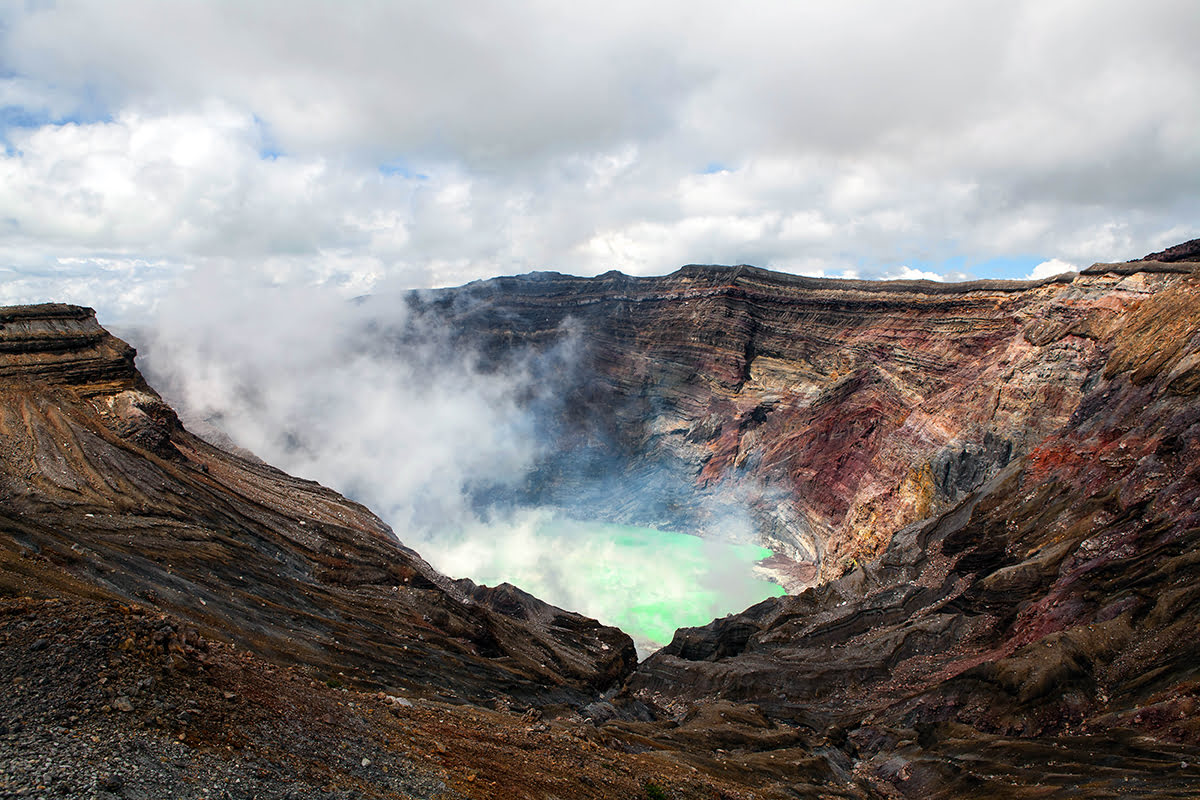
645, 581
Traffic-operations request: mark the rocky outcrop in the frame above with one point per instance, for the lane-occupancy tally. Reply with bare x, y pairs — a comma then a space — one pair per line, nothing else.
1187, 251
104, 494
63, 345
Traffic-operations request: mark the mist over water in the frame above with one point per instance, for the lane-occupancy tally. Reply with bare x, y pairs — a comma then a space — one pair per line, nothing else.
365, 398
646, 582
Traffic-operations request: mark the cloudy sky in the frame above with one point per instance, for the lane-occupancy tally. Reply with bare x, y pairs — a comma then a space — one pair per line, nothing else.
415, 143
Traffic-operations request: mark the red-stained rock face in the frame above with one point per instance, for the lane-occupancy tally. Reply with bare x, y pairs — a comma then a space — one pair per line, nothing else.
1055, 604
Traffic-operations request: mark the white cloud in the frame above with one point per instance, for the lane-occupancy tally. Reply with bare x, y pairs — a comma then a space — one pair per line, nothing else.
905, 273
1048, 269
181, 162
575, 137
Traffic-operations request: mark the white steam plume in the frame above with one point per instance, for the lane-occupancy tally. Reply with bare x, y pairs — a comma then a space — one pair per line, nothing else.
377, 403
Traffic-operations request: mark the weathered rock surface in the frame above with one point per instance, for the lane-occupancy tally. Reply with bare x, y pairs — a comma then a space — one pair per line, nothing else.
1187, 251
104, 494
1051, 610
207, 720
1004, 476
839, 411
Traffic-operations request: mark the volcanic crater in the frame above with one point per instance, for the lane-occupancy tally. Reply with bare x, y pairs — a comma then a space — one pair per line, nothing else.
984, 498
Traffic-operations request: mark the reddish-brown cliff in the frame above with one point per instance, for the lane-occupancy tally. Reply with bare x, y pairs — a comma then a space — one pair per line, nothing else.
1051, 609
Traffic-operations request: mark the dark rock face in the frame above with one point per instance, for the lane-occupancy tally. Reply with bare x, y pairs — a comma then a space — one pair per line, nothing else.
104, 494
1188, 251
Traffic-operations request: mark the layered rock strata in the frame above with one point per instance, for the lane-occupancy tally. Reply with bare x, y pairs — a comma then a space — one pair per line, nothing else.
1052, 609
838, 411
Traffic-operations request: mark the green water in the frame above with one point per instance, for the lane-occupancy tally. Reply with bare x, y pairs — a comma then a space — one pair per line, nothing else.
646, 582
703, 579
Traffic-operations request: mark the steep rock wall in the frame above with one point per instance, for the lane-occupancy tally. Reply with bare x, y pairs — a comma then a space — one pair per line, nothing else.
838, 411
1053, 608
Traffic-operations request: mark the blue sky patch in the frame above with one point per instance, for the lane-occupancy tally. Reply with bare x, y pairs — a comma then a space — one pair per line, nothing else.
23, 117
87, 110
1015, 266
1000, 267
268, 147
400, 168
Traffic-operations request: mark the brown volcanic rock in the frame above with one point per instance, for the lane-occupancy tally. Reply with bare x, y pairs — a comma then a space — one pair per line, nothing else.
103, 493
1051, 611
62, 344
842, 410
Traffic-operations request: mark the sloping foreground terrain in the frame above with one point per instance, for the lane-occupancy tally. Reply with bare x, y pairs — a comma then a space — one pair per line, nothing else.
998, 481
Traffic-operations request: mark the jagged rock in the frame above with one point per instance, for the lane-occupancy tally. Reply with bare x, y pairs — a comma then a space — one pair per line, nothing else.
1187, 251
